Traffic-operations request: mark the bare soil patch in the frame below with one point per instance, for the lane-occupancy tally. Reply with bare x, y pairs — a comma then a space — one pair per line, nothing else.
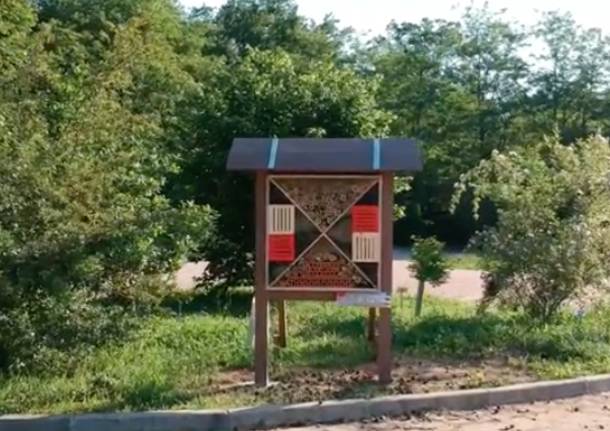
410, 376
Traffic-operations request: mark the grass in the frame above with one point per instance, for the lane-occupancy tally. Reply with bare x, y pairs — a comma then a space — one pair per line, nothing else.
464, 261
176, 362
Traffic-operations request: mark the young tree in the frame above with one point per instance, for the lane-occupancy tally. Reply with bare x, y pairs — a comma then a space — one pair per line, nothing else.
552, 239
428, 266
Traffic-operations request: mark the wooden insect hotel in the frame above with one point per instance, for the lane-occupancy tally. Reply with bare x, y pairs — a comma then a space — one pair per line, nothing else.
324, 228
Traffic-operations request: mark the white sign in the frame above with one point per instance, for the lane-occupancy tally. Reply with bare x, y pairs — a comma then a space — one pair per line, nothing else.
364, 299
252, 328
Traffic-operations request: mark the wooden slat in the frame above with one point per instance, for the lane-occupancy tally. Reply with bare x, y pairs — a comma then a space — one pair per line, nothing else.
300, 295
261, 377
371, 324
384, 341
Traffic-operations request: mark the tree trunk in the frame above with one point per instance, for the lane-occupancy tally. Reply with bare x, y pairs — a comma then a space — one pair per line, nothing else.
420, 298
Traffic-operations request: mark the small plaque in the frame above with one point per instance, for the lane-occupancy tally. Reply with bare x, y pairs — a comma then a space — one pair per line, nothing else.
281, 248
364, 299
365, 218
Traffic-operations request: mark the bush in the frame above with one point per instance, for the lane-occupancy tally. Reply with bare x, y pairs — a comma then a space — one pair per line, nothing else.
83, 218
552, 239
428, 266
51, 334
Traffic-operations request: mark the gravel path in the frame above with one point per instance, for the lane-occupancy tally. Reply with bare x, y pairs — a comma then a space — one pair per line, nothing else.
462, 283
584, 413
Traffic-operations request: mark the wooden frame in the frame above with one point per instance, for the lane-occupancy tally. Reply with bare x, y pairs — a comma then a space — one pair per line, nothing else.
377, 177
264, 293
261, 374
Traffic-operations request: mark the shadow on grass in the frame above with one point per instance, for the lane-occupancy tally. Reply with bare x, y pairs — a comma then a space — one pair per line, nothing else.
487, 335
235, 302
142, 397
153, 395
437, 335
350, 326
443, 336
447, 336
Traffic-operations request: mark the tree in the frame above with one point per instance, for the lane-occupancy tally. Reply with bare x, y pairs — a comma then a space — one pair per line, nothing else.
458, 88
269, 93
274, 24
552, 239
428, 266
491, 70
413, 59
570, 78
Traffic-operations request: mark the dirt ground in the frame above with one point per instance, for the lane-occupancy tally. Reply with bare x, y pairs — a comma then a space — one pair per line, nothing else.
410, 376
575, 414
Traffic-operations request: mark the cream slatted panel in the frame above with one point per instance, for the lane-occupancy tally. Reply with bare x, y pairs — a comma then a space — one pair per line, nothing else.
280, 219
365, 247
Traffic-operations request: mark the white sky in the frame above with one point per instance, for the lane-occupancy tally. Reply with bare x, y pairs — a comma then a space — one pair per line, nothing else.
372, 16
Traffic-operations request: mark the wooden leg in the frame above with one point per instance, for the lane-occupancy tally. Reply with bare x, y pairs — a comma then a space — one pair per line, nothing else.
261, 376
261, 295
281, 314
371, 325
384, 339
384, 347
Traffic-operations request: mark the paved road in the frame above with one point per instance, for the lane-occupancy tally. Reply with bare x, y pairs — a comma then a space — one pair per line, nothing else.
584, 413
462, 284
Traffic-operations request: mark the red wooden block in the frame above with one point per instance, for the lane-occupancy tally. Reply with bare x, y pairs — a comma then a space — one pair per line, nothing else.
365, 218
281, 248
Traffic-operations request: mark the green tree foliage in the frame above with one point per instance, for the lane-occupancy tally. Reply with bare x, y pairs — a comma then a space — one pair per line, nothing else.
429, 266
570, 79
83, 219
274, 24
552, 239
457, 87
268, 93
16, 21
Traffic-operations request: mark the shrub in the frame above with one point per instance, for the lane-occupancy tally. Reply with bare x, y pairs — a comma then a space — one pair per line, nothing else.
83, 218
552, 239
428, 266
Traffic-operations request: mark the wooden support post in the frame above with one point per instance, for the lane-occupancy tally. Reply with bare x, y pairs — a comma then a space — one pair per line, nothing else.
281, 327
371, 325
384, 339
261, 376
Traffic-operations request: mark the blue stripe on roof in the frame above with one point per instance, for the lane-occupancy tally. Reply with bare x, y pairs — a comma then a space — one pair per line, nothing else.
376, 154
272, 154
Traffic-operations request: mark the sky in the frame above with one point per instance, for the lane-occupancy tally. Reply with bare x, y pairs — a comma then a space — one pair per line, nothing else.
370, 17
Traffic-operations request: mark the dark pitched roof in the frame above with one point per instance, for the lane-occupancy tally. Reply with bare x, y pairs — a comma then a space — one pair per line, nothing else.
324, 155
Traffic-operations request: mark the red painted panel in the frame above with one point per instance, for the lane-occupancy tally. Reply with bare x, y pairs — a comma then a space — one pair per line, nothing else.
281, 248
365, 218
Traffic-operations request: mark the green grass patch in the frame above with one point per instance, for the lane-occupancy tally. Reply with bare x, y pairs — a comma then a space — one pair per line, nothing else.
175, 362
464, 261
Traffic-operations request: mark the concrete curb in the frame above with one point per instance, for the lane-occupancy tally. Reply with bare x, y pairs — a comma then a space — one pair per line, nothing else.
300, 414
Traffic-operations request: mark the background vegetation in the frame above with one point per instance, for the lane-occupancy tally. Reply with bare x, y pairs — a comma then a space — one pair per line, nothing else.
116, 117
